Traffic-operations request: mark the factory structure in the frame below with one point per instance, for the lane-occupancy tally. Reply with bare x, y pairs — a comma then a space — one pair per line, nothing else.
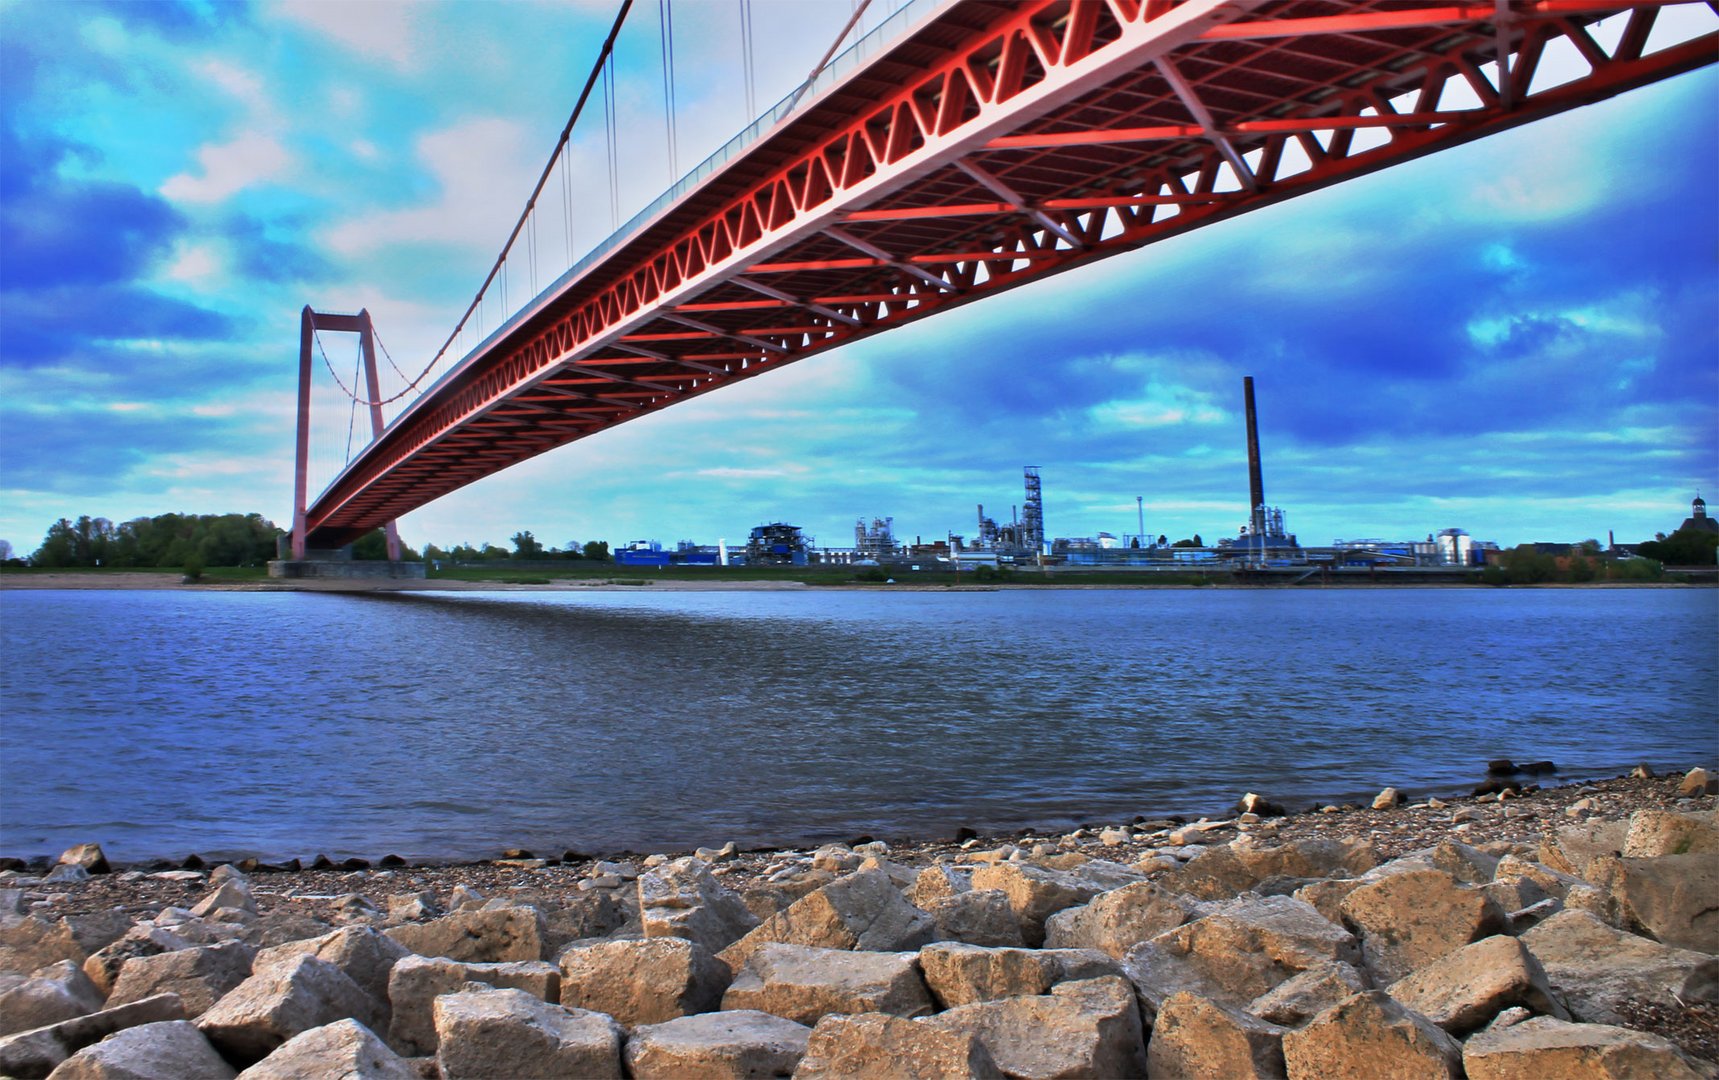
1261, 542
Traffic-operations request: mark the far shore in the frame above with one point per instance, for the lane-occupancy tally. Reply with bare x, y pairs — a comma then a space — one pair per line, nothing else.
171, 579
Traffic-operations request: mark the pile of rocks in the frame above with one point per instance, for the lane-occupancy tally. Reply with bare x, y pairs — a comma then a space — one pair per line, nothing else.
1261, 956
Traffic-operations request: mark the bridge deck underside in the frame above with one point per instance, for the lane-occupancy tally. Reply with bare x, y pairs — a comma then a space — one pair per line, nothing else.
998, 144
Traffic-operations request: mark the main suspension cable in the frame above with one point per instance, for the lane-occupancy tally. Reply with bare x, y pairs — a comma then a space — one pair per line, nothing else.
665, 13
560, 146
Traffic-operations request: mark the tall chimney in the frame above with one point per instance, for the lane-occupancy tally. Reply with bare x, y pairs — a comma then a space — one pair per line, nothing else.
1255, 485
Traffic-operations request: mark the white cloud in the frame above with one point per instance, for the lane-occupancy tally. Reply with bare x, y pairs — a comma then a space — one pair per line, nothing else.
472, 163
378, 29
195, 264
1157, 405
230, 167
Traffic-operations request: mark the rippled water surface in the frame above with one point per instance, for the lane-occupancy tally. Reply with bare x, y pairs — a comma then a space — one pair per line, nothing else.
453, 724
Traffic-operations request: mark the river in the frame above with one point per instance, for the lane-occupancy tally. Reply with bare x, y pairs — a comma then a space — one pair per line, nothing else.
452, 725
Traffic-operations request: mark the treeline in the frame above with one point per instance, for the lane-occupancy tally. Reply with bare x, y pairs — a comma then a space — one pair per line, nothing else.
525, 547
176, 540
1526, 565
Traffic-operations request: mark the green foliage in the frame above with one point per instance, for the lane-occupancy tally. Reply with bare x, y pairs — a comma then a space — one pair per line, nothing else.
1195, 542
597, 550
1638, 569
373, 546
873, 575
1494, 575
165, 540
1685, 547
193, 567
525, 546
1527, 566
1580, 569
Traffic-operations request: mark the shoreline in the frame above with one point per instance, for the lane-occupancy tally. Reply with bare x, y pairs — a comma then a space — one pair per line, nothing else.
1413, 819
149, 580
1320, 808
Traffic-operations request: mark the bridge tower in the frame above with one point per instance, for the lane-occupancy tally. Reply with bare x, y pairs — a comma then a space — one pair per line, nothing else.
311, 321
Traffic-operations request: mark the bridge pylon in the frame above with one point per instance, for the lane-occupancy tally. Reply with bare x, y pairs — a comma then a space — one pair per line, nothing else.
311, 321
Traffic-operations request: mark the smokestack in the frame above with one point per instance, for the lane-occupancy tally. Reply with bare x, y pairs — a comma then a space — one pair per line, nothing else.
1255, 485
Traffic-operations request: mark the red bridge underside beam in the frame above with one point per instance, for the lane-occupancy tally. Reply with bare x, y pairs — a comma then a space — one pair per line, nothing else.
997, 144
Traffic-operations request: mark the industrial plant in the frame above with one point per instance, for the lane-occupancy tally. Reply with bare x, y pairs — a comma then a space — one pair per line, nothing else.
1260, 544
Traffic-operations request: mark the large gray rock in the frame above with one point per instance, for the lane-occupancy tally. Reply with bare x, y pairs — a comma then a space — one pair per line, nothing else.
28, 943
173, 1048
939, 881
647, 981
682, 899
415, 982
1467, 864
1594, 968
1664, 832
730, 1045
976, 917
478, 936
1089, 1028
1672, 898
1408, 920
880, 1047
1301, 997
344, 1049
959, 974
1116, 921
802, 983
234, 892
103, 966
199, 975
1244, 949
1369, 1036
366, 955
1466, 989
281, 1001
87, 856
1198, 1039
1568, 850
861, 911
1036, 893
1544, 1047
34, 1053
95, 929
1228, 870
57, 992
509, 1033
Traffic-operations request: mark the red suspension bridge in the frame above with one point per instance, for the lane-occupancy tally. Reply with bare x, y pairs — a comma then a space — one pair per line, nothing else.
968, 147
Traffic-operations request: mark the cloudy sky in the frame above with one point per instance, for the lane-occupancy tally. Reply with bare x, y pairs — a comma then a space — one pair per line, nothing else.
1519, 337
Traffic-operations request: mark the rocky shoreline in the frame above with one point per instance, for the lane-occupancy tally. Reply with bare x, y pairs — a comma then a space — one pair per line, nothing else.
1566, 931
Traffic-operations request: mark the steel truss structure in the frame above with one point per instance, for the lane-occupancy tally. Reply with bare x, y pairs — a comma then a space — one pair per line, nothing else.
998, 143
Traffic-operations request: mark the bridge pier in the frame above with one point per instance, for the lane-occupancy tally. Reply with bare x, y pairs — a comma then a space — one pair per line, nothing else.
293, 561
347, 569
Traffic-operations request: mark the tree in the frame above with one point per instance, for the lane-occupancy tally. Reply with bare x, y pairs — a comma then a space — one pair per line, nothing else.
525, 546
1527, 566
597, 550
1685, 547
5, 551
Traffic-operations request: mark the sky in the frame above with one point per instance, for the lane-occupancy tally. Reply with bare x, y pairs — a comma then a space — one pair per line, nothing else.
1518, 337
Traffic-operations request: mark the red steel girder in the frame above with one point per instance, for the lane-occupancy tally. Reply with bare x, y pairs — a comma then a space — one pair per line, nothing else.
1030, 138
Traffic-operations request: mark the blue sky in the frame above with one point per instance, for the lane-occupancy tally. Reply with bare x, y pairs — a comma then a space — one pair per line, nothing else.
1519, 337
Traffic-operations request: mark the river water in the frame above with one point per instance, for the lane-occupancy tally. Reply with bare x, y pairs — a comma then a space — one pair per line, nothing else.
455, 724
